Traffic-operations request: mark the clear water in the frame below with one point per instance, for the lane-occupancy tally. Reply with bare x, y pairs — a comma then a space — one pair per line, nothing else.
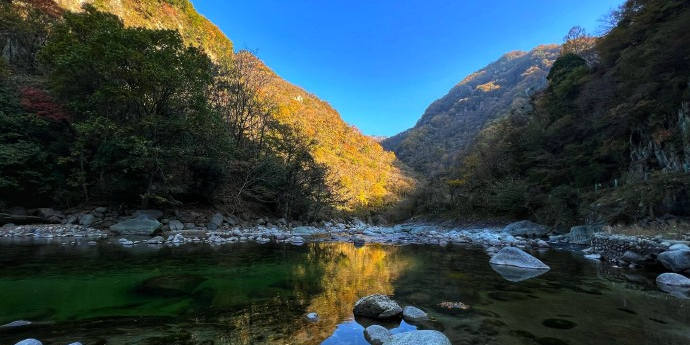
259, 294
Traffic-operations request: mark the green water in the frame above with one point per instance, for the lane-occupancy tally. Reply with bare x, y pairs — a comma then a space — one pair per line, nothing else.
259, 294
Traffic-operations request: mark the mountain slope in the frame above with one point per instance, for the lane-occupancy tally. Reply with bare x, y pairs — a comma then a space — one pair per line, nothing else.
452, 122
362, 174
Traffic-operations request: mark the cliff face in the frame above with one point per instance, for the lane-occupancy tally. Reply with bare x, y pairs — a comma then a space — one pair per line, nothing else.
452, 122
362, 174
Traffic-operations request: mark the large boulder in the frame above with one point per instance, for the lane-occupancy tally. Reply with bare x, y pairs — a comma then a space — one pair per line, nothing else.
376, 335
143, 226
151, 214
583, 234
87, 220
673, 279
377, 307
417, 338
527, 229
511, 256
675, 260
176, 225
675, 284
215, 221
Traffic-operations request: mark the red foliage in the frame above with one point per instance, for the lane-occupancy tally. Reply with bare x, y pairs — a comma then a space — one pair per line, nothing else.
40, 103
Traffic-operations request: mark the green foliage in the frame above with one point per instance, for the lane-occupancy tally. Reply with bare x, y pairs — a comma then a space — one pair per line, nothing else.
139, 100
614, 132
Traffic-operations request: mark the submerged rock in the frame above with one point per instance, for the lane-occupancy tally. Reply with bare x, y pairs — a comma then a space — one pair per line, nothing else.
376, 335
377, 307
511, 256
170, 285
417, 338
517, 274
414, 314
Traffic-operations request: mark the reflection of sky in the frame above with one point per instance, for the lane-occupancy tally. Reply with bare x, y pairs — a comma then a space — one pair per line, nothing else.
351, 332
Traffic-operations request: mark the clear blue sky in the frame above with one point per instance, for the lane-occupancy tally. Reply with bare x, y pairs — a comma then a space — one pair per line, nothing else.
380, 63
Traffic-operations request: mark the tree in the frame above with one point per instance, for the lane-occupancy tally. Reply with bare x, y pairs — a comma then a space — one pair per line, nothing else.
139, 99
578, 42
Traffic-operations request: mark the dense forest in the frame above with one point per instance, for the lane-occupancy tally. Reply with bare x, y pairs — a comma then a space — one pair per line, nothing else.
607, 140
102, 104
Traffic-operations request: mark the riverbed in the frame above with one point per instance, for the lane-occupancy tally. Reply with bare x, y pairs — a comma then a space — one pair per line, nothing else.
250, 293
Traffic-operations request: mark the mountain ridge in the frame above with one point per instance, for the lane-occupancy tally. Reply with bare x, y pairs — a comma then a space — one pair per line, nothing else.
363, 175
451, 122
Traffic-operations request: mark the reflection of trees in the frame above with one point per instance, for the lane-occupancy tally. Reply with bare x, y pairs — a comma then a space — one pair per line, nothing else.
349, 273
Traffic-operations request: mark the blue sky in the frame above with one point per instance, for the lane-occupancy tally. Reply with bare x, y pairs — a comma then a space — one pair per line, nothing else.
380, 63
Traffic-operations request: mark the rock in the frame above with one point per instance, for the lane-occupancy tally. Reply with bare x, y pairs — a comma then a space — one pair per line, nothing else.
297, 240
359, 241
583, 234
17, 323
517, 274
542, 244
87, 219
637, 259
511, 256
417, 338
186, 216
189, 226
138, 227
30, 341
170, 285
215, 222
312, 317
675, 284
151, 214
673, 279
175, 225
527, 229
46, 213
376, 335
77, 343
156, 240
593, 257
679, 246
676, 260
101, 209
414, 314
377, 307
236, 232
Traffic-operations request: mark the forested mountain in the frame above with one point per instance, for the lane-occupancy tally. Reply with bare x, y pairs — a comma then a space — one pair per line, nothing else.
452, 122
607, 140
127, 111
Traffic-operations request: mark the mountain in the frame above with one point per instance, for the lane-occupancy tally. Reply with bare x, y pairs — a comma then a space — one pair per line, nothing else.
608, 140
452, 122
361, 173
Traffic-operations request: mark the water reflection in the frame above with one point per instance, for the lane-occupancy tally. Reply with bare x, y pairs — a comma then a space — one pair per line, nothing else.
259, 294
349, 273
